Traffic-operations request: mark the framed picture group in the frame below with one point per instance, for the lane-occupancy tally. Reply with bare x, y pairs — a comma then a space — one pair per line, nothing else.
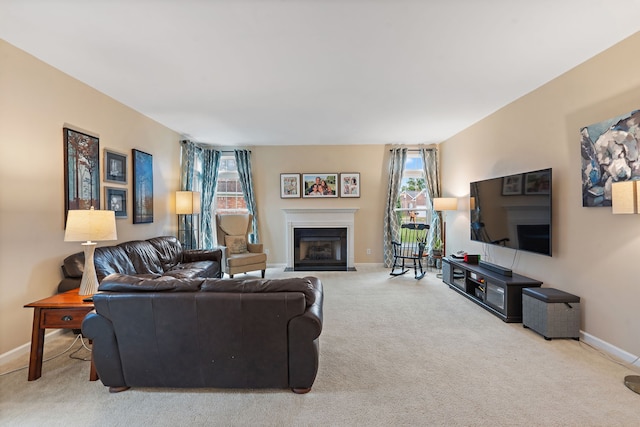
82, 178
319, 185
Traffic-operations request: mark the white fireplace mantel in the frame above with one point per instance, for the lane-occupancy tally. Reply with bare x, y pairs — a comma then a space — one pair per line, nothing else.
320, 218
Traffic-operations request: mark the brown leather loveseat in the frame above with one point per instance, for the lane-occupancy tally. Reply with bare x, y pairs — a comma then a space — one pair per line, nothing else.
215, 333
151, 258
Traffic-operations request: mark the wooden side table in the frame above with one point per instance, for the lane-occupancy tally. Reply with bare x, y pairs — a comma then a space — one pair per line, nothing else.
61, 311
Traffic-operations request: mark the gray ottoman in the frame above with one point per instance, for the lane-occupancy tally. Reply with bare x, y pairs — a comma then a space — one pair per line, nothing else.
551, 312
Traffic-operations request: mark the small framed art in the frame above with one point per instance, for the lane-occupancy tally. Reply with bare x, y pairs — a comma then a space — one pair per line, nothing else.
289, 185
319, 185
115, 167
116, 200
350, 184
512, 185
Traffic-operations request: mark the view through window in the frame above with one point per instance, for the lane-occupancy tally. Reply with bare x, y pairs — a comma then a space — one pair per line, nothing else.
411, 205
229, 198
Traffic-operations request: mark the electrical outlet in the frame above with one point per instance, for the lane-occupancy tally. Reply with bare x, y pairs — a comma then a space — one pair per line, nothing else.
368, 251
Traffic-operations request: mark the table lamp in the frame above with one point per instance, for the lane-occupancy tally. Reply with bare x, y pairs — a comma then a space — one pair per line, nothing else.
87, 226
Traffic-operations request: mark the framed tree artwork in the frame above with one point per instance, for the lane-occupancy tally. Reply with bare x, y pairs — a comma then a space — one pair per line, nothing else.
81, 171
142, 187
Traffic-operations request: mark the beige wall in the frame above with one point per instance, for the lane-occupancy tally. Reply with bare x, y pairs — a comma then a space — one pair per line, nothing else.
593, 250
36, 102
369, 160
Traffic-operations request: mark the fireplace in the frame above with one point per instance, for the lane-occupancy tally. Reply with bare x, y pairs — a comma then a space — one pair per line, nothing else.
320, 246
320, 249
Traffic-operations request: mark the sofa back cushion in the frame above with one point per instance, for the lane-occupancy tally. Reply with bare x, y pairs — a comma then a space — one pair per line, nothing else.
169, 251
143, 256
111, 259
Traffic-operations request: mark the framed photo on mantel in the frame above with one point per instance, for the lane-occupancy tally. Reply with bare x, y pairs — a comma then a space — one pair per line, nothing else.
319, 185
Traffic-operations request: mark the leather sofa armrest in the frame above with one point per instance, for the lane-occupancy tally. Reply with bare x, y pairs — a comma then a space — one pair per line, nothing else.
255, 248
194, 255
106, 355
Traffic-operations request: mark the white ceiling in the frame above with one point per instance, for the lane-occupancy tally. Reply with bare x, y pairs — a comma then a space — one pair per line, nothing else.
280, 72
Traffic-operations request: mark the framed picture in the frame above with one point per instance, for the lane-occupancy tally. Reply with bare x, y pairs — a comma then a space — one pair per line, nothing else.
142, 187
115, 167
537, 183
350, 184
116, 200
512, 185
320, 185
289, 185
81, 171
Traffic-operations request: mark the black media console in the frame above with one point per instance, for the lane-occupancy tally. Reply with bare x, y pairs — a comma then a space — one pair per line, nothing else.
498, 293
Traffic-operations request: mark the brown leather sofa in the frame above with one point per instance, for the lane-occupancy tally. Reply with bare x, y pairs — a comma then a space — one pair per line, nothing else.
152, 258
216, 333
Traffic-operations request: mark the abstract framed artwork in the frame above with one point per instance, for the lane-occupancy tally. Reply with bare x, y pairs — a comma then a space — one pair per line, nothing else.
289, 185
116, 200
115, 167
142, 187
350, 184
512, 185
319, 185
609, 151
82, 171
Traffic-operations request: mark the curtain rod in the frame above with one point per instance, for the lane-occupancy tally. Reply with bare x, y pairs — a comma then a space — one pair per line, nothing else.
418, 149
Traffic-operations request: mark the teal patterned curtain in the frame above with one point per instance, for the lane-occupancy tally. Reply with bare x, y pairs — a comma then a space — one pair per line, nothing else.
200, 173
243, 162
391, 224
432, 184
210, 164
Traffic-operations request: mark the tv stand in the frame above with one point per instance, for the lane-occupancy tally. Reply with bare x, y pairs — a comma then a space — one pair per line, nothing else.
500, 294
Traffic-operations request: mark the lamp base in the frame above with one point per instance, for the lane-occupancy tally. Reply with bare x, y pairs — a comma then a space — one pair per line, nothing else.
89, 283
633, 382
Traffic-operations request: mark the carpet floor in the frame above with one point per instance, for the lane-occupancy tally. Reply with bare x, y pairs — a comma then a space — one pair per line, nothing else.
393, 351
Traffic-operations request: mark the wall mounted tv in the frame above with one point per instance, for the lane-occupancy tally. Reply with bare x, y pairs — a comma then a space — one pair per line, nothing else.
513, 211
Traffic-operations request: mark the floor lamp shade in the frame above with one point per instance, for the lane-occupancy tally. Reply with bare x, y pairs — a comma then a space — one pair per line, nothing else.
187, 202
445, 204
90, 226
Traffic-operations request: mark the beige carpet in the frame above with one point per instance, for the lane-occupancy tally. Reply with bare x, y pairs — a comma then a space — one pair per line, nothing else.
394, 351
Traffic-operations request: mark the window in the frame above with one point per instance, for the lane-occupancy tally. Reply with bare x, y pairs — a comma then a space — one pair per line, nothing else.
413, 198
229, 198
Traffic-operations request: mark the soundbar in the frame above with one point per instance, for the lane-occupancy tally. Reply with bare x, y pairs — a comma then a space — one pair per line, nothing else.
495, 268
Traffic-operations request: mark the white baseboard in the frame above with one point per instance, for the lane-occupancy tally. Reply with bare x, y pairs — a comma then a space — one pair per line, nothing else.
24, 349
610, 349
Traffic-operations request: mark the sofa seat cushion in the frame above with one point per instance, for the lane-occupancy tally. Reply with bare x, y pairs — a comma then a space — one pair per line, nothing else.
247, 258
190, 270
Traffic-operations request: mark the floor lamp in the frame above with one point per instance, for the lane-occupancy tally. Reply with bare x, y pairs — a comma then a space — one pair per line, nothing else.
188, 207
90, 226
625, 200
442, 204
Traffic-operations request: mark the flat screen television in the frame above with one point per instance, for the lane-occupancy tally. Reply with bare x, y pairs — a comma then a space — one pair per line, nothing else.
513, 211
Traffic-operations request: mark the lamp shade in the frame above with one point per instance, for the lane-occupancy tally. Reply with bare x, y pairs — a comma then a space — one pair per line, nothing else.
187, 202
445, 204
624, 197
90, 225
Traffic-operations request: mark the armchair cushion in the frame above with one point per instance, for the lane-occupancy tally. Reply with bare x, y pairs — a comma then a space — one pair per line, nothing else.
236, 244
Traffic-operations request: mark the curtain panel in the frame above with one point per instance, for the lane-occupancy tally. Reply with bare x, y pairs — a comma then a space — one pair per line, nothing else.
391, 225
432, 183
243, 163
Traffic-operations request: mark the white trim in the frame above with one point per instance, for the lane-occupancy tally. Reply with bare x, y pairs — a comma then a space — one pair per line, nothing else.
610, 349
20, 351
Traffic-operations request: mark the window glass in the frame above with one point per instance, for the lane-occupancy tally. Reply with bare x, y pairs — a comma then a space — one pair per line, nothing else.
412, 202
229, 198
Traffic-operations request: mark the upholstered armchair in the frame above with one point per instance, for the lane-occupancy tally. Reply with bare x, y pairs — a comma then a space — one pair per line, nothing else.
238, 255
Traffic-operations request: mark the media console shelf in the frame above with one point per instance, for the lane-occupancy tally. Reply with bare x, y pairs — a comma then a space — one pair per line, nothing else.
497, 293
